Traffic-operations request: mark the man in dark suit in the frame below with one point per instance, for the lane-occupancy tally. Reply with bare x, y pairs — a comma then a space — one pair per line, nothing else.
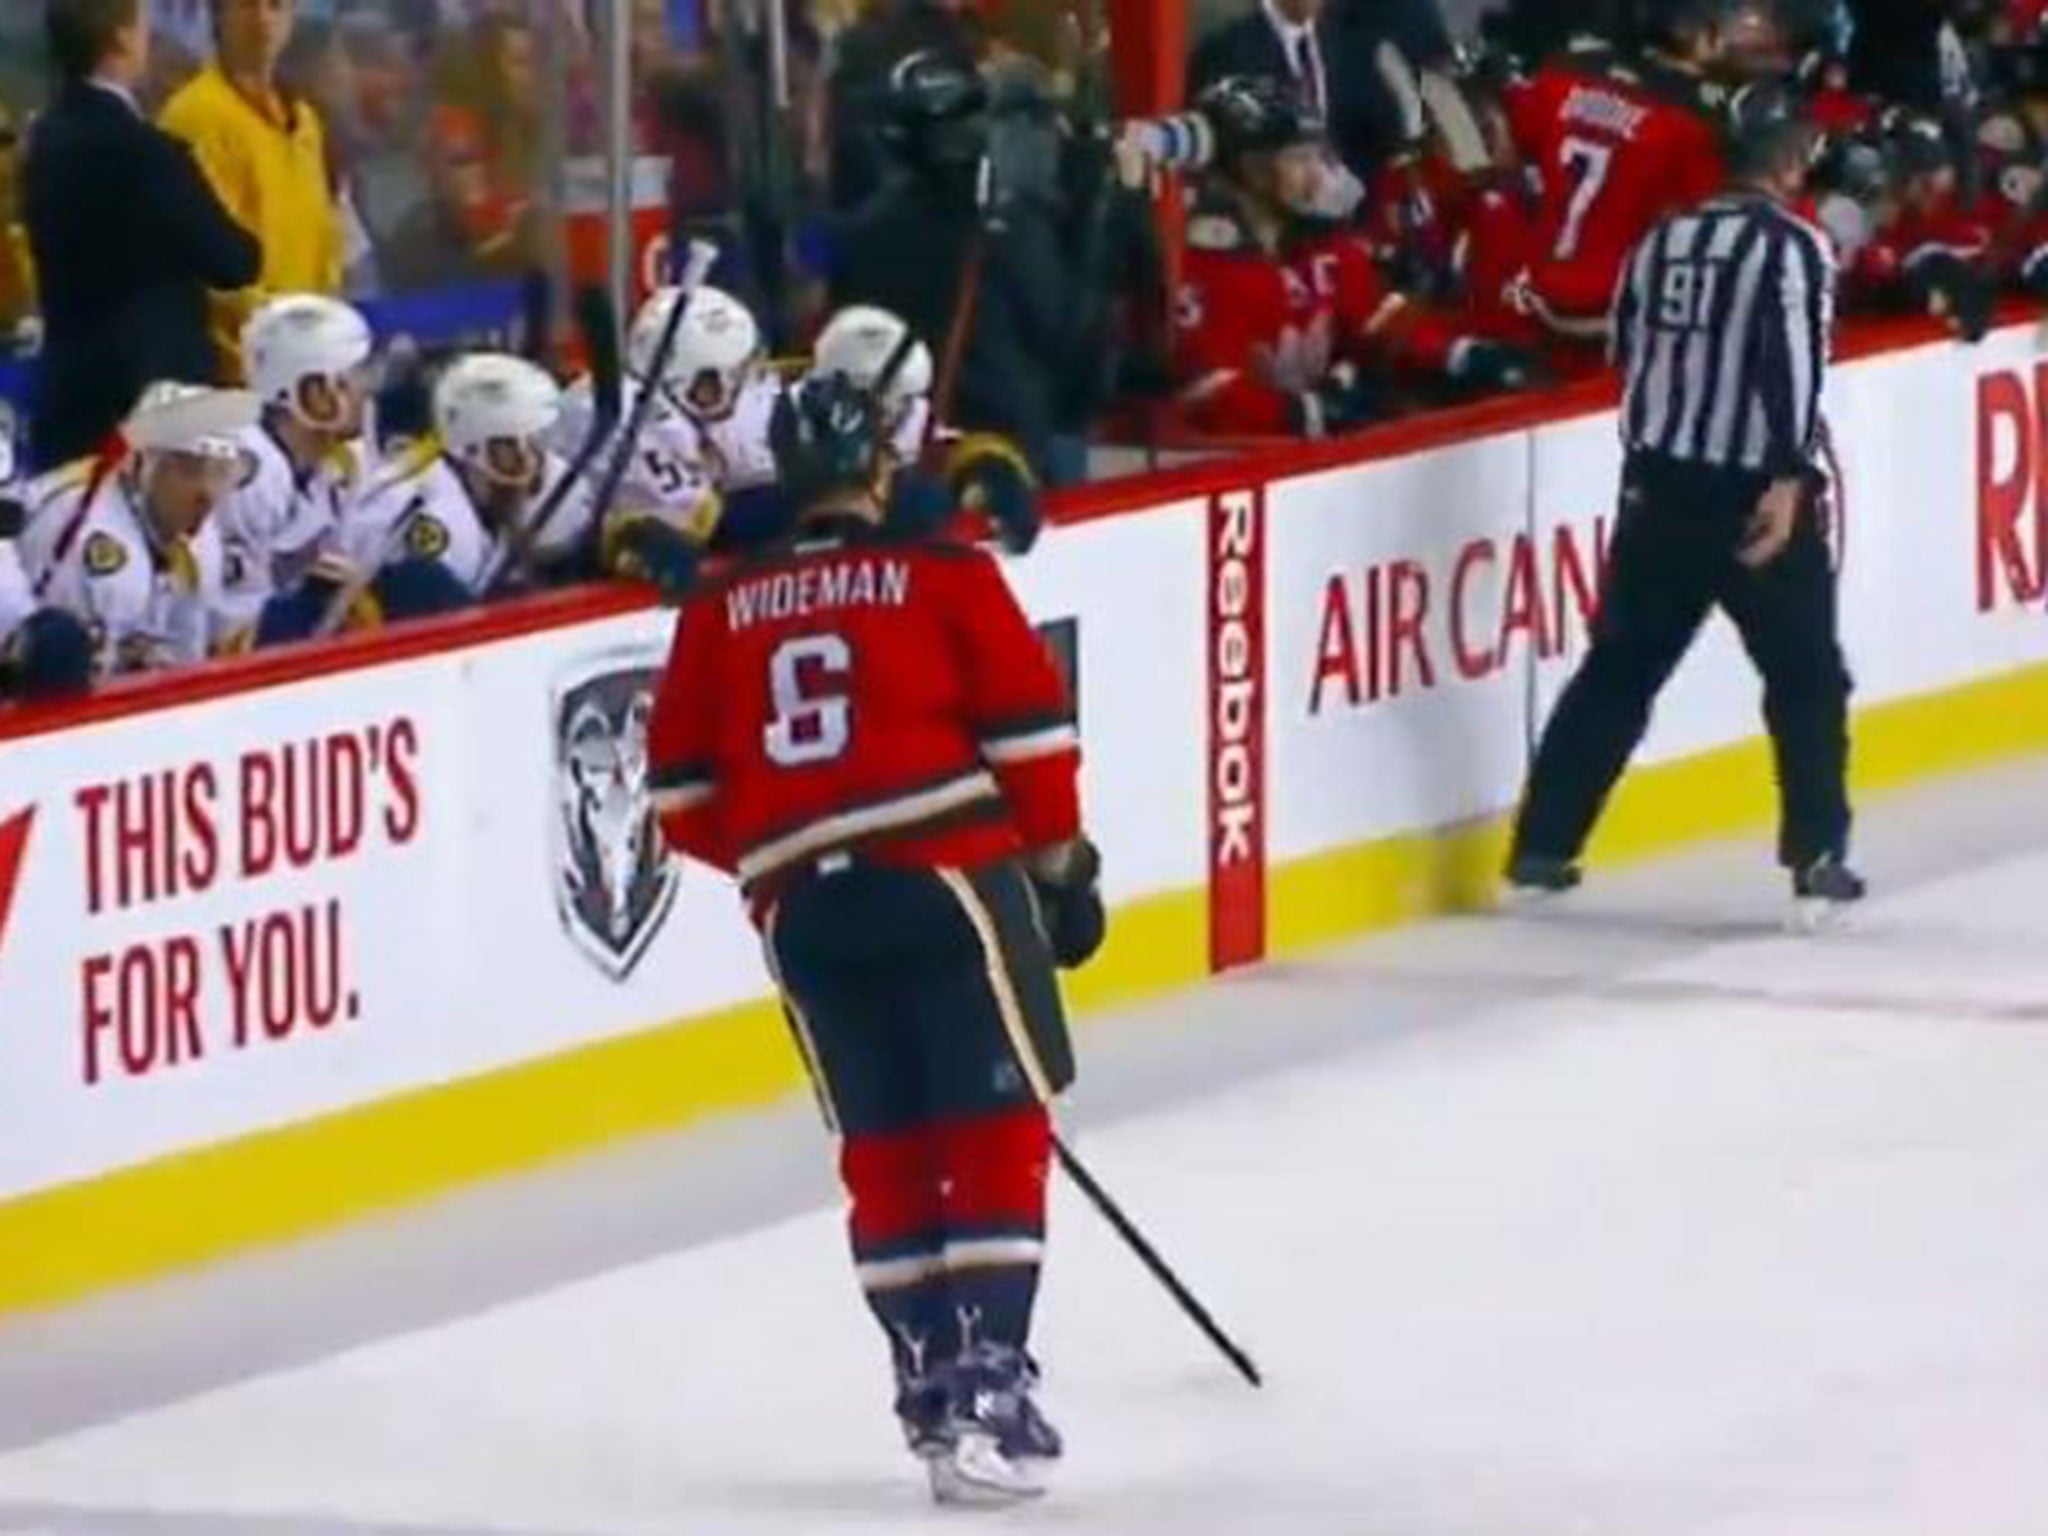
1328, 48
127, 237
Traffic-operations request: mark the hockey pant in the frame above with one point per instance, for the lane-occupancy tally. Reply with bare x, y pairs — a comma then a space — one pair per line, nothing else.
927, 1009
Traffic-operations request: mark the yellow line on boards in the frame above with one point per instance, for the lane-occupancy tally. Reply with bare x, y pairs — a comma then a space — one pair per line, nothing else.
203, 1205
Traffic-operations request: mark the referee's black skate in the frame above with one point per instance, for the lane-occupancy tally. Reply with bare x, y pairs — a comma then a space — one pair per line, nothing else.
1534, 874
1824, 889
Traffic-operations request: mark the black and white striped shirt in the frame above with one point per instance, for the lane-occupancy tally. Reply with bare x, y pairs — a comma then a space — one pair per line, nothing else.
1721, 324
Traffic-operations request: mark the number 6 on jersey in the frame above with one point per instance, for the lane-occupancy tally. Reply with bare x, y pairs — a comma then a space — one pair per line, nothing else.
809, 679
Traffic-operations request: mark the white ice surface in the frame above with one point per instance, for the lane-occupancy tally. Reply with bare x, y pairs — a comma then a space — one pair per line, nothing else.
1739, 1236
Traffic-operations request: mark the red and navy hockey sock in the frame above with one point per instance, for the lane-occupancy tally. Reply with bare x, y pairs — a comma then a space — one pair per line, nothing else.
996, 1168
897, 1224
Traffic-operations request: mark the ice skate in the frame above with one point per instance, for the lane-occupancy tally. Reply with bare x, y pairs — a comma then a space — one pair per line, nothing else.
1000, 1442
1822, 892
1532, 876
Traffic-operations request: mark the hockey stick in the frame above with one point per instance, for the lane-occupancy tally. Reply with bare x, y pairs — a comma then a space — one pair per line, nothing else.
597, 325
696, 270
953, 354
1135, 1240
598, 328
537, 318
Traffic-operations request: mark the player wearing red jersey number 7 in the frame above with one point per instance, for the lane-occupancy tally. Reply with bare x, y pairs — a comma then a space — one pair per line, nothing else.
1619, 143
866, 730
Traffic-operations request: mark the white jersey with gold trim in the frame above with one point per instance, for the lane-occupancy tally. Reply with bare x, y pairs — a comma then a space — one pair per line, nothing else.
276, 521
146, 604
423, 510
17, 597
678, 454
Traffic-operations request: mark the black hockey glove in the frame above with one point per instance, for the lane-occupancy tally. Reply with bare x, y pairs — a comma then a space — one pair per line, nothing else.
1067, 881
1958, 291
1494, 365
651, 549
1343, 403
49, 657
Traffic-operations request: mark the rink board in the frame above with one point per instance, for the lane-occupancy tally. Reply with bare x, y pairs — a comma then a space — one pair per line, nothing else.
314, 935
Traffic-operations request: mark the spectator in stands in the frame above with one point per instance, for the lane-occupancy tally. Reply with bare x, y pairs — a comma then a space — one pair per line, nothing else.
127, 234
486, 142
264, 148
17, 271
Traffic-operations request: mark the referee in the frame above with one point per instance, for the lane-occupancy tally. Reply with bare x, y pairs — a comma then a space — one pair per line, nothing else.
1721, 324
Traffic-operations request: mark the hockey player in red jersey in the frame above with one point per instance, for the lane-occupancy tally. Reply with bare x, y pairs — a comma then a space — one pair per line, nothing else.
1935, 253
1618, 143
1280, 311
865, 729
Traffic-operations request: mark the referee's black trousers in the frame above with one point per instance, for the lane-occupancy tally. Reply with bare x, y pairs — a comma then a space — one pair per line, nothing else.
1672, 560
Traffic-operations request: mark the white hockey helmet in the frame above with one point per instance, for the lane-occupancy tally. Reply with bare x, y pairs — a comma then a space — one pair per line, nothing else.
190, 419
184, 451
306, 337
717, 348
859, 342
493, 412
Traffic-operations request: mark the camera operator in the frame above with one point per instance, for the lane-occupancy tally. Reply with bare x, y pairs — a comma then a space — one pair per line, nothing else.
971, 241
858, 91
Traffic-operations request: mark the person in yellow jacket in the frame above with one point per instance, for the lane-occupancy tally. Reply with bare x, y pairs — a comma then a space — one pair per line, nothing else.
265, 151
17, 267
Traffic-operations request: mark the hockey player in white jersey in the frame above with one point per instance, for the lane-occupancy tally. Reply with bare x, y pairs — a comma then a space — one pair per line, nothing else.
308, 359
944, 472
126, 543
859, 343
707, 425
485, 497
17, 597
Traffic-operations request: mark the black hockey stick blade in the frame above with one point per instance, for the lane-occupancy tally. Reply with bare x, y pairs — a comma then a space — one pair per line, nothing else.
898, 359
537, 317
597, 325
1163, 1272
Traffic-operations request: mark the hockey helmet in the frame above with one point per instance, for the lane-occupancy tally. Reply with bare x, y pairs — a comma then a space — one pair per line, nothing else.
493, 411
936, 109
1919, 146
827, 435
717, 347
184, 452
309, 338
190, 419
861, 341
1257, 115
1766, 123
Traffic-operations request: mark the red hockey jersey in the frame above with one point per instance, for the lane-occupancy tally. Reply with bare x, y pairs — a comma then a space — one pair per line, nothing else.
1618, 148
1257, 329
856, 693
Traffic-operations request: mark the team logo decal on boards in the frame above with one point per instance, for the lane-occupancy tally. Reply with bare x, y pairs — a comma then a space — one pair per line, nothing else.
614, 881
